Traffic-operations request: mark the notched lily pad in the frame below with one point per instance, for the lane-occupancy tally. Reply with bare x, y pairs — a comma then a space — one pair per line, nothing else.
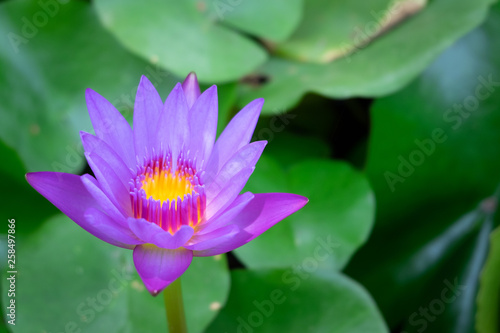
270, 301
336, 221
380, 68
334, 29
181, 36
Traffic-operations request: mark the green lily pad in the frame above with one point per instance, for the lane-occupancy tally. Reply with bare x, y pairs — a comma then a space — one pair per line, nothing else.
271, 20
68, 280
282, 301
181, 36
332, 226
356, 24
382, 67
48, 57
429, 165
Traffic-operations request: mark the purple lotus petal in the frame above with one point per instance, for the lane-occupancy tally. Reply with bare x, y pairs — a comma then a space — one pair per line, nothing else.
114, 187
116, 213
110, 126
264, 211
108, 230
228, 193
160, 267
63, 190
228, 244
237, 134
147, 109
191, 88
152, 233
213, 239
173, 127
246, 157
225, 216
94, 145
203, 124
67, 192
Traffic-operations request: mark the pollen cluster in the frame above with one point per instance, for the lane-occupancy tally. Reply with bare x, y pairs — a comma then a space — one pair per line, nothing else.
168, 194
164, 185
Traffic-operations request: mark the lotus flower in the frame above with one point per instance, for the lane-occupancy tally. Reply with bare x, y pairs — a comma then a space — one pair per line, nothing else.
166, 188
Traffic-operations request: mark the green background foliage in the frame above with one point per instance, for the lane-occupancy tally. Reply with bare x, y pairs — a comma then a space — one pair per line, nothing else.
385, 114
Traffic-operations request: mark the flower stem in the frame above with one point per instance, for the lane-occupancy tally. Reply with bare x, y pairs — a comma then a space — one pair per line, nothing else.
174, 307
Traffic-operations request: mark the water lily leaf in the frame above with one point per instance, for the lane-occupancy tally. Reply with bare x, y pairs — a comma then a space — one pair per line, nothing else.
181, 36
488, 299
69, 280
48, 57
382, 67
281, 301
337, 219
332, 29
429, 166
271, 20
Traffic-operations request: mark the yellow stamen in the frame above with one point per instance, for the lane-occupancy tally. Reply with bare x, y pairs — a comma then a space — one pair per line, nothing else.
165, 186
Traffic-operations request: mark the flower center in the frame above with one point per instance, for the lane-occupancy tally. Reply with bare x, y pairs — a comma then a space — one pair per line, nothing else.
164, 185
168, 194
